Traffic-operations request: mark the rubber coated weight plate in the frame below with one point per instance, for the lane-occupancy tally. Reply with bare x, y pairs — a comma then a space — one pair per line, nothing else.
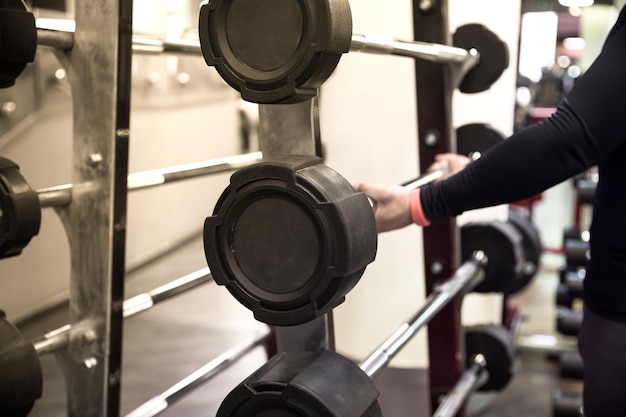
531, 243
289, 238
20, 211
21, 379
304, 384
495, 343
18, 40
275, 52
502, 244
476, 138
494, 56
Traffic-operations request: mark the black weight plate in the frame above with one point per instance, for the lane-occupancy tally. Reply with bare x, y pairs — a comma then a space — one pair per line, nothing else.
494, 56
304, 384
20, 211
21, 378
476, 138
275, 52
531, 242
289, 238
495, 343
18, 35
502, 244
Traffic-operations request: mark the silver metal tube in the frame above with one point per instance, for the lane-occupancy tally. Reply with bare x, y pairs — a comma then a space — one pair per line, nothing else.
383, 44
466, 277
156, 177
58, 339
469, 381
161, 402
62, 195
425, 179
149, 46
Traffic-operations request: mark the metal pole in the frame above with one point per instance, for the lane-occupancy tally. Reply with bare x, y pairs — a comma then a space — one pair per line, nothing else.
161, 402
62, 195
472, 378
466, 277
57, 339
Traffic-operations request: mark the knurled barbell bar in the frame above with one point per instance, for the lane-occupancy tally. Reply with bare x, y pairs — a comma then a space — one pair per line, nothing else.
163, 401
284, 51
326, 384
20, 368
20, 206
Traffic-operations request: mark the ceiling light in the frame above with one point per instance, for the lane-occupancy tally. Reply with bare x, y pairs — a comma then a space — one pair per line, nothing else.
575, 3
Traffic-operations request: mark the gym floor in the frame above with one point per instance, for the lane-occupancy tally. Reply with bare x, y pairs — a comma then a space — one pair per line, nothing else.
197, 326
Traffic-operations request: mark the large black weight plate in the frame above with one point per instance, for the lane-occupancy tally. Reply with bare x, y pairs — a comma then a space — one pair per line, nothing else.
495, 343
289, 238
502, 244
531, 242
277, 51
21, 378
18, 40
476, 138
494, 56
20, 211
304, 384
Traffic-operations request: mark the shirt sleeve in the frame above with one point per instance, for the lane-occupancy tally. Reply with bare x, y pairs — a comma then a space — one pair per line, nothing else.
585, 128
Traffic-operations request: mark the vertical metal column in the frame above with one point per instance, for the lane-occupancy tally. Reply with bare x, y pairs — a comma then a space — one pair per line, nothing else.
293, 129
98, 68
441, 250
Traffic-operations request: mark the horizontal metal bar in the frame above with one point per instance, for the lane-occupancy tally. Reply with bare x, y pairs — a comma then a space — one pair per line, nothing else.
469, 381
59, 33
156, 177
384, 44
58, 339
161, 402
62, 195
470, 274
425, 179
145, 301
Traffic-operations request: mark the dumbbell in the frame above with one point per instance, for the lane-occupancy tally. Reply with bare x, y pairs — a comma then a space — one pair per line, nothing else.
567, 404
19, 40
283, 52
568, 322
20, 205
324, 383
571, 364
577, 252
570, 288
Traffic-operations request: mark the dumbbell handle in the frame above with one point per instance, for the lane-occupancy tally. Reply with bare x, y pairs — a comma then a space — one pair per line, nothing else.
470, 274
469, 381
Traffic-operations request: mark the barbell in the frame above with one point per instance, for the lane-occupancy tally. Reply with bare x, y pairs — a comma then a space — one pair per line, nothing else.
326, 384
21, 379
290, 237
283, 51
20, 205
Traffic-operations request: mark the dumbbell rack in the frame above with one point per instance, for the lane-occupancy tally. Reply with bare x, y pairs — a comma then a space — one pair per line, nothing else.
99, 69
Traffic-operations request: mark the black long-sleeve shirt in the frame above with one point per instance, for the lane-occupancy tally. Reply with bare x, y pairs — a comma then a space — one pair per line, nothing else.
588, 128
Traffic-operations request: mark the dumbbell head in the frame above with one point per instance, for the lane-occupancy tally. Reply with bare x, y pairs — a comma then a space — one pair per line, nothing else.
20, 211
289, 238
18, 40
275, 52
304, 384
495, 343
21, 379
